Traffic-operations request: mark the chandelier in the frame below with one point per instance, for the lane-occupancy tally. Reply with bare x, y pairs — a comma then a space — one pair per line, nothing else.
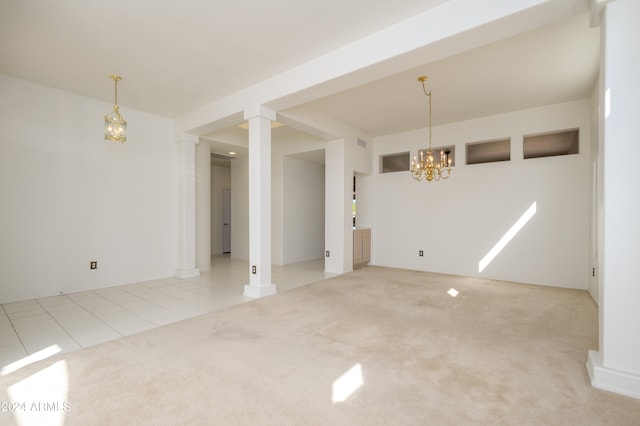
115, 127
428, 168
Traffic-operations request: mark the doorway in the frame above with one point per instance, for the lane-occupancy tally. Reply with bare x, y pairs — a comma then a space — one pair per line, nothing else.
221, 207
226, 220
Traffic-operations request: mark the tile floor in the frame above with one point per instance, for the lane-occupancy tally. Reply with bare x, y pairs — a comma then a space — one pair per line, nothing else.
78, 320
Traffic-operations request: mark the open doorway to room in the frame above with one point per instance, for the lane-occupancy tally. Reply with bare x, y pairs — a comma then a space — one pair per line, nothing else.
220, 205
361, 214
226, 220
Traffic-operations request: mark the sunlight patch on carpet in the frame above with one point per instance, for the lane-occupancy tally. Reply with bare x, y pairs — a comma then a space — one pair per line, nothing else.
41, 399
345, 385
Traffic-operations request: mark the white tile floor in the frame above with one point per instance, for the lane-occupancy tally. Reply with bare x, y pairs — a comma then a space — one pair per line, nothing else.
78, 320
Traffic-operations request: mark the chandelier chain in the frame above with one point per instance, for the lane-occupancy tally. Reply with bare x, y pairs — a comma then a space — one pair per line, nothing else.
116, 78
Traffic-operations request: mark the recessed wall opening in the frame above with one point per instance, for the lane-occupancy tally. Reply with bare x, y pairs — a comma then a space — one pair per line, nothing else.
443, 153
395, 162
564, 142
489, 151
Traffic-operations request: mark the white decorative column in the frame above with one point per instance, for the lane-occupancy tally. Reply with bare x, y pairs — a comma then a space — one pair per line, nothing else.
186, 267
203, 207
260, 285
616, 366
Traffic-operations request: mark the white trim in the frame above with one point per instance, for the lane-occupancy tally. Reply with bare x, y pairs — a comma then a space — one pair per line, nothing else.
256, 292
187, 273
612, 380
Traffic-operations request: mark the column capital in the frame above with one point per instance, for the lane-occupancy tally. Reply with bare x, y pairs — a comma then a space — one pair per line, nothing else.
188, 137
254, 111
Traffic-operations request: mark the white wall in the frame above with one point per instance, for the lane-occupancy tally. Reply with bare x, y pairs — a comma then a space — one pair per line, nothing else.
70, 197
303, 211
240, 208
338, 216
220, 179
282, 148
277, 206
457, 222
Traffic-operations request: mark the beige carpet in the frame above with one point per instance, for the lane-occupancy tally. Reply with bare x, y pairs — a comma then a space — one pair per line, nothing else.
498, 353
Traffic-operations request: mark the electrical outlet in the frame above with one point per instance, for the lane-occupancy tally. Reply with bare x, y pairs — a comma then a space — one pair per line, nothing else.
93, 265
327, 253
254, 269
421, 253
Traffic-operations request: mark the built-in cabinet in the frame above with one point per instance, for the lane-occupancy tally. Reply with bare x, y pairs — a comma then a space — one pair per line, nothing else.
361, 247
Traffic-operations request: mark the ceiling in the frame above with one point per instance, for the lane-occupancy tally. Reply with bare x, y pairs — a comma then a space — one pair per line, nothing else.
553, 64
178, 56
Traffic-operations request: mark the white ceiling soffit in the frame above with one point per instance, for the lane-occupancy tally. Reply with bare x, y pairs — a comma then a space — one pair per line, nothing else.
549, 65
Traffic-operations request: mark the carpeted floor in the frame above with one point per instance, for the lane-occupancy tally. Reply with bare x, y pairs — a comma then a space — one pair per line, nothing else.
497, 353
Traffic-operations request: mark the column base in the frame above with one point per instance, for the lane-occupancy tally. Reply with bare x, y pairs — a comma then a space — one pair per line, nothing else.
187, 273
256, 292
611, 380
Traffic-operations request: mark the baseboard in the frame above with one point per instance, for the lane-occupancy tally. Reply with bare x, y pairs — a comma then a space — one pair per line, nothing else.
187, 273
611, 380
255, 292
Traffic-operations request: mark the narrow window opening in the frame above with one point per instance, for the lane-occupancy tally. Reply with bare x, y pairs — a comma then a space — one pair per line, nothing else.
565, 142
489, 151
394, 162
